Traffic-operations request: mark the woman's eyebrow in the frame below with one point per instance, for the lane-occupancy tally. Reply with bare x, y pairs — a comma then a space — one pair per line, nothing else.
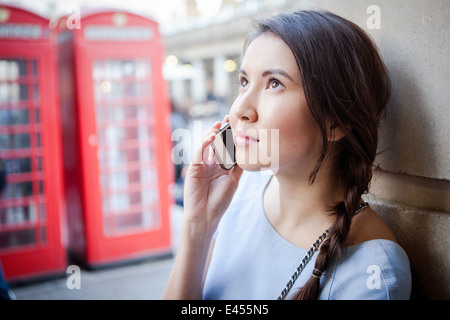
242, 71
277, 71
269, 73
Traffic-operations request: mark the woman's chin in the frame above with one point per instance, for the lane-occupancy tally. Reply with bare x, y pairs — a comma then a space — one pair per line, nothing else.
253, 167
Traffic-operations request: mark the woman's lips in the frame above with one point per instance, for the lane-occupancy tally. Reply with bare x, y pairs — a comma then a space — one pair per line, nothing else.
242, 139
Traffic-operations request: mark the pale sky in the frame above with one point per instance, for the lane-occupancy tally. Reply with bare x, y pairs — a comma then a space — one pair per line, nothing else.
162, 11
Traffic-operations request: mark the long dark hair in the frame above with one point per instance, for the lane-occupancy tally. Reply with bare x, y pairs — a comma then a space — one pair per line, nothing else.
346, 84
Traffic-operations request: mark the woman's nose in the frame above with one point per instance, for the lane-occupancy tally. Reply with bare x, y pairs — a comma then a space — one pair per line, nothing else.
244, 107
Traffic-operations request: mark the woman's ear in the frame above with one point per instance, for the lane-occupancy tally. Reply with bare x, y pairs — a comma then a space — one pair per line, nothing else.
335, 133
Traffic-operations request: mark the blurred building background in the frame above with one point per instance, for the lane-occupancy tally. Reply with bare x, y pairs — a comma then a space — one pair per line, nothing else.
203, 42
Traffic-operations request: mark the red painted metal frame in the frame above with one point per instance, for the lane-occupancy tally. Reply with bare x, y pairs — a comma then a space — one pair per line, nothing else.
87, 239
48, 256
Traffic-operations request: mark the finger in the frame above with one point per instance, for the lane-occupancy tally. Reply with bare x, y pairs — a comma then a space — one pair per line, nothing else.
208, 138
209, 155
226, 118
198, 154
214, 128
236, 173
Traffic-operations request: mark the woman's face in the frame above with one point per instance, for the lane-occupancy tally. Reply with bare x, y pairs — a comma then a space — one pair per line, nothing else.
270, 117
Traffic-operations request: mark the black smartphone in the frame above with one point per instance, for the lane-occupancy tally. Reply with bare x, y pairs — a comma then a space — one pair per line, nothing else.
224, 148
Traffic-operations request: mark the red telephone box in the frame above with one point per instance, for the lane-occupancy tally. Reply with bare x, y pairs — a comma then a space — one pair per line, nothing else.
115, 118
31, 182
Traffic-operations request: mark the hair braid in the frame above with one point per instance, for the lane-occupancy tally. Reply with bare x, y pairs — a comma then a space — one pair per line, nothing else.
355, 179
356, 185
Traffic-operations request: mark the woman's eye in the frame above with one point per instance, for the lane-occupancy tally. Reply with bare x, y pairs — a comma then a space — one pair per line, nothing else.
274, 84
243, 82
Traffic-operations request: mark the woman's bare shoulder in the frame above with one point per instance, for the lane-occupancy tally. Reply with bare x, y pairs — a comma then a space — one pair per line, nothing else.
368, 225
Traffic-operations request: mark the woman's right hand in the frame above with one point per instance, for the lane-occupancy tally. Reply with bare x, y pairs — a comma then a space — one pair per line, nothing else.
208, 188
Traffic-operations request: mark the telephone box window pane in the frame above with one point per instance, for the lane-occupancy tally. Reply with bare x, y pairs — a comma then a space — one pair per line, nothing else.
151, 218
121, 112
147, 155
118, 179
120, 223
116, 157
21, 165
143, 134
4, 68
38, 140
12, 69
43, 235
148, 176
12, 92
18, 215
150, 197
34, 68
14, 141
16, 238
4, 92
112, 135
121, 179
39, 164
42, 211
41, 187
13, 116
36, 93
23, 92
129, 220
21, 65
18, 190
121, 201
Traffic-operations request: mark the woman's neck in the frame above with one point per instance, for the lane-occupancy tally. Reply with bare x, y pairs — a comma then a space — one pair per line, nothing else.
296, 207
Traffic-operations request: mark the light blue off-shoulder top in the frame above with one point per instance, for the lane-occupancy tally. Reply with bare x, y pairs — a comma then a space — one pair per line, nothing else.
251, 260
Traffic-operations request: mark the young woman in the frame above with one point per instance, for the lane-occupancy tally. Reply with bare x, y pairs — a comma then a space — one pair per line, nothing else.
316, 81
